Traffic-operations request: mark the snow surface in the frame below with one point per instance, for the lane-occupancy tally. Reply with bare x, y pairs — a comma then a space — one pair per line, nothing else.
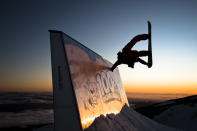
183, 116
126, 120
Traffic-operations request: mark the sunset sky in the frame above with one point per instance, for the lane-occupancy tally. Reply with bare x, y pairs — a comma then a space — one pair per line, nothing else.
105, 27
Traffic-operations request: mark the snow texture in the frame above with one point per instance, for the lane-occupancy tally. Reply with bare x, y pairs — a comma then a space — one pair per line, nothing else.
126, 120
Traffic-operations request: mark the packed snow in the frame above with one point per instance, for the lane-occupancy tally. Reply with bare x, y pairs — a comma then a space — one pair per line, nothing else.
126, 120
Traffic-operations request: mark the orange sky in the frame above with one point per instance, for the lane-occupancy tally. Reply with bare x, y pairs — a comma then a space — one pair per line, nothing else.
171, 89
136, 88
131, 83
163, 79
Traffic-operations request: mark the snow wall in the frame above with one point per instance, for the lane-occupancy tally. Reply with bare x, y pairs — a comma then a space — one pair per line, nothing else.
84, 88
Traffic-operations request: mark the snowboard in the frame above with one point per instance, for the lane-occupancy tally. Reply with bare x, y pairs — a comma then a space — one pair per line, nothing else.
150, 60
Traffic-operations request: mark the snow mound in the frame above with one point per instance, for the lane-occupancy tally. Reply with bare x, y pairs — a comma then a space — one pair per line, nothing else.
126, 120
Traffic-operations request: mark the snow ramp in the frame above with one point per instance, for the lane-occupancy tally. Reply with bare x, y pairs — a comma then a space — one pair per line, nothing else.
87, 95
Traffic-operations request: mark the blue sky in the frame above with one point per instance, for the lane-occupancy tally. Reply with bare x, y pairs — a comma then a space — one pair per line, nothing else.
105, 27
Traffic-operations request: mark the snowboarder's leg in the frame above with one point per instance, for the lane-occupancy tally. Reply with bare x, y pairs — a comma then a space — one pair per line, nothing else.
143, 53
142, 61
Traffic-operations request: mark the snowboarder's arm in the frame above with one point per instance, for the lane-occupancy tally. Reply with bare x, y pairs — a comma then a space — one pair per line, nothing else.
142, 61
118, 62
134, 41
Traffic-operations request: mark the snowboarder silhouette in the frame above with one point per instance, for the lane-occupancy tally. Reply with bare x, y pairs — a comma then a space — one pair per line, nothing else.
130, 57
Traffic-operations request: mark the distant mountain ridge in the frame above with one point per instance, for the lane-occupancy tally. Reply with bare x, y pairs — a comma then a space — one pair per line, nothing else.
152, 110
178, 113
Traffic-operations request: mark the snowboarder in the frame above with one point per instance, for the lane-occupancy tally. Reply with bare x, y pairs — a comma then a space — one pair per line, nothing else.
130, 57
